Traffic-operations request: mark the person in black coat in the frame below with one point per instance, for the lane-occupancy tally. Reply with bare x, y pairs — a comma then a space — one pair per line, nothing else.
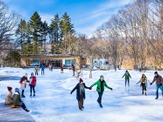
80, 93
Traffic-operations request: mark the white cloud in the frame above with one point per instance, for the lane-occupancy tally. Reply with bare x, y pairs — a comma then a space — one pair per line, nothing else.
105, 11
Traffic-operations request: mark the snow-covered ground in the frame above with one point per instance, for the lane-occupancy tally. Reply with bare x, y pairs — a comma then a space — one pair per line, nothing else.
54, 103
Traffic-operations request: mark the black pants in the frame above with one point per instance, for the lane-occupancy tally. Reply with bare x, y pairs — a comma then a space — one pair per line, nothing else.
99, 100
143, 87
32, 88
127, 80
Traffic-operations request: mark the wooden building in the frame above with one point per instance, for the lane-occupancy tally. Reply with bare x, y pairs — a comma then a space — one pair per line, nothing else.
55, 59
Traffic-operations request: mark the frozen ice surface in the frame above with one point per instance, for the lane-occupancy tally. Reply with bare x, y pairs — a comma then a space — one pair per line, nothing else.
54, 103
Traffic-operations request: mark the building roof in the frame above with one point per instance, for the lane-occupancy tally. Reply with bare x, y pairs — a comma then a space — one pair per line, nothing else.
50, 55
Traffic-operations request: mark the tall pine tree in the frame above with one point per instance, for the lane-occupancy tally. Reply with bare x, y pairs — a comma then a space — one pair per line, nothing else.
35, 23
20, 34
67, 32
55, 34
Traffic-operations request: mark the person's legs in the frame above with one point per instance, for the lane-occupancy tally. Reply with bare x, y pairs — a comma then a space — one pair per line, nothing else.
99, 100
82, 101
128, 80
24, 107
33, 87
30, 90
23, 93
125, 82
157, 87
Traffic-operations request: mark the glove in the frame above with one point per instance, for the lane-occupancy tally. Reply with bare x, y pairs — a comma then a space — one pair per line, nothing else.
150, 83
111, 88
90, 88
161, 84
70, 92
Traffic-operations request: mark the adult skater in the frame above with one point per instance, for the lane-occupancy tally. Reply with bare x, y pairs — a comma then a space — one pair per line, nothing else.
101, 84
36, 70
143, 83
9, 97
17, 100
42, 69
159, 81
23, 82
73, 69
32, 84
80, 93
62, 67
127, 78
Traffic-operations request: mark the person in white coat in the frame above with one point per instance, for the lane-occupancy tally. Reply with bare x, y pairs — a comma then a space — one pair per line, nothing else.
23, 83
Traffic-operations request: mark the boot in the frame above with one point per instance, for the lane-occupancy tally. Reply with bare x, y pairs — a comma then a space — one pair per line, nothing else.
33, 95
100, 105
23, 94
145, 93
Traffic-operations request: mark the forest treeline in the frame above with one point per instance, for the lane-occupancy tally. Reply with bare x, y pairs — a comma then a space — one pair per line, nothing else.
134, 34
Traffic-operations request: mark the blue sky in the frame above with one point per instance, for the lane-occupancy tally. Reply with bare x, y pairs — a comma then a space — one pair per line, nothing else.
86, 15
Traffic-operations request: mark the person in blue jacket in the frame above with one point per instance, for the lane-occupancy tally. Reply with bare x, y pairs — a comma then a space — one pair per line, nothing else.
42, 69
80, 93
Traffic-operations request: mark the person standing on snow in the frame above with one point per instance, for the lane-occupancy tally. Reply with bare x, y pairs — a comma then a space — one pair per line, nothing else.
17, 100
62, 67
127, 78
73, 69
80, 93
101, 84
159, 81
9, 97
144, 83
32, 84
23, 82
36, 70
42, 69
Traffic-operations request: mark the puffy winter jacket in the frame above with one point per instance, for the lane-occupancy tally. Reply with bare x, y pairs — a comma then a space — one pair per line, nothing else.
33, 80
9, 98
77, 88
158, 79
17, 99
98, 83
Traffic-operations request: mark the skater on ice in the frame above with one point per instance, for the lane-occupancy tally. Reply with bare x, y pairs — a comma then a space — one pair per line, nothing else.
9, 97
62, 67
80, 93
17, 101
159, 81
101, 84
143, 83
23, 83
36, 70
127, 79
73, 69
32, 84
42, 69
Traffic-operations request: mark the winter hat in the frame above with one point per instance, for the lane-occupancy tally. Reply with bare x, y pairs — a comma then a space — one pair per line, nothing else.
32, 73
80, 80
16, 90
156, 72
9, 88
101, 76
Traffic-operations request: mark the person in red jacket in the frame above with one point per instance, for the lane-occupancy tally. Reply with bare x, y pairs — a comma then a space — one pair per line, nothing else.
32, 84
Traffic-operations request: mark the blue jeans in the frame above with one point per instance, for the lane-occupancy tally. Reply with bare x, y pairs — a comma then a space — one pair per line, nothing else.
99, 100
158, 86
